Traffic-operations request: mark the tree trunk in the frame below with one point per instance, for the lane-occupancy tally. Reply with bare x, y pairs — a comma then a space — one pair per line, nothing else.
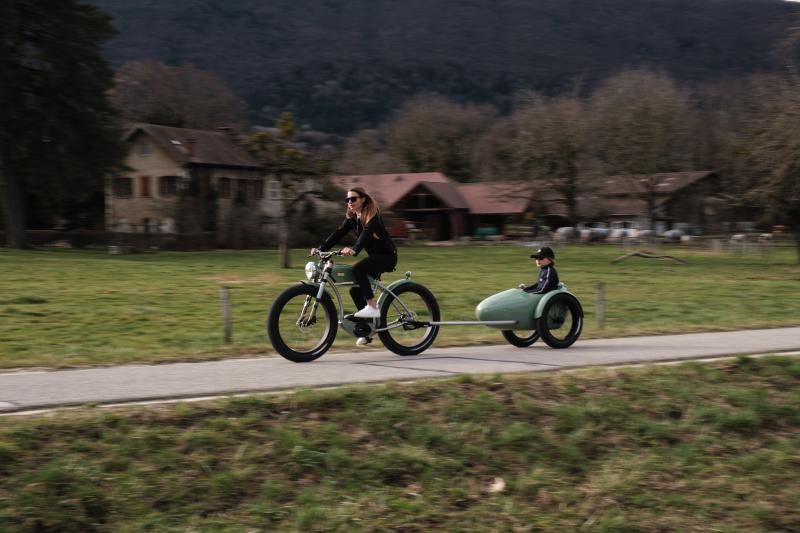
651, 212
796, 233
572, 207
283, 239
13, 202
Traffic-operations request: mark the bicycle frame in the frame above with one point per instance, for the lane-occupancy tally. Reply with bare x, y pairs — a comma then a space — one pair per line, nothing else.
323, 270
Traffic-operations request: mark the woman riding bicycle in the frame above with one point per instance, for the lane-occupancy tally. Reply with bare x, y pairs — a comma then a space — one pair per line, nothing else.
363, 218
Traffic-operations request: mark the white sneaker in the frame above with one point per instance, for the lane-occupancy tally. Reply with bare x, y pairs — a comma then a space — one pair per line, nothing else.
362, 341
368, 312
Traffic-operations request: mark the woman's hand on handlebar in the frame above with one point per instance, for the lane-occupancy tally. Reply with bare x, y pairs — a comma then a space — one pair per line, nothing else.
348, 251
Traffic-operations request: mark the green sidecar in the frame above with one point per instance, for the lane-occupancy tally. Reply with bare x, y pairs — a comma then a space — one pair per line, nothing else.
556, 316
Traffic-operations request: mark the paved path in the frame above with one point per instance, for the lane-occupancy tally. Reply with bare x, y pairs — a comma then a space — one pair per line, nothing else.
24, 391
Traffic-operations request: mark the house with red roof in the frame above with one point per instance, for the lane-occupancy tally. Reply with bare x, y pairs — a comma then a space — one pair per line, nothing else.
444, 209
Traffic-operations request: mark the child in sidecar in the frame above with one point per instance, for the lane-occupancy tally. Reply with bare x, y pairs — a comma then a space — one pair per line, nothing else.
546, 309
548, 277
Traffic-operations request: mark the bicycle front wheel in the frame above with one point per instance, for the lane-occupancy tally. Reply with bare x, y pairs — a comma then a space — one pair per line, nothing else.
414, 303
300, 328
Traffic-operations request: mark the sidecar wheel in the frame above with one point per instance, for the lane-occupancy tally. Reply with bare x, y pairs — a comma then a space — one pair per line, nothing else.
294, 333
561, 322
520, 341
418, 302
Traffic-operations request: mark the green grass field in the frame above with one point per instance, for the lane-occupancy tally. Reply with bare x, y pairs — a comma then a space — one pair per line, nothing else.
691, 447
62, 308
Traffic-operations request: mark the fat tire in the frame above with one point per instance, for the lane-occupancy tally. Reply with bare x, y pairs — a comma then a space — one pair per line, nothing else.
577, 325
273, 320
386, 336
520, 342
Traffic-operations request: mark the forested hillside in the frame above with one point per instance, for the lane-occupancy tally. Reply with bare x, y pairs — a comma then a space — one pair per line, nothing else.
341, 65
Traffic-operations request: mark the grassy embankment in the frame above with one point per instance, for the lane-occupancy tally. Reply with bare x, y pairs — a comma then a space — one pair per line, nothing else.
63, 308
694, 447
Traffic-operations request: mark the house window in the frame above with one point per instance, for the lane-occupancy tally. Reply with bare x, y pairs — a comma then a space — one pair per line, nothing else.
241, 189
145, 149
258, 190
224, 187
123, 187
144, 186
274, 190
167, 186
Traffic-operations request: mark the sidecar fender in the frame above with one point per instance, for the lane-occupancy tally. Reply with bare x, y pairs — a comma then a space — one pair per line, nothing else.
548, 296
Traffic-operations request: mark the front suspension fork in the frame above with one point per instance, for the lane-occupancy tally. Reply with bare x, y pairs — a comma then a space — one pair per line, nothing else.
312, 315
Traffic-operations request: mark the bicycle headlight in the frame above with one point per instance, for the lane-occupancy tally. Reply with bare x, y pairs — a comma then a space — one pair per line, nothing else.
311, 270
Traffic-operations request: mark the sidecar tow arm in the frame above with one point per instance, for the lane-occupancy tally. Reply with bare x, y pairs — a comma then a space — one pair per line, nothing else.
418, 324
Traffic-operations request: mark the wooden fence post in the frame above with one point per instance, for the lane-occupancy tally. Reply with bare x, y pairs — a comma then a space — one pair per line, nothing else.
601, 305
225, 297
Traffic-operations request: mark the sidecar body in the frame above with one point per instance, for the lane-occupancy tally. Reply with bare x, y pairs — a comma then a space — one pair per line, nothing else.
556, 316
516, 304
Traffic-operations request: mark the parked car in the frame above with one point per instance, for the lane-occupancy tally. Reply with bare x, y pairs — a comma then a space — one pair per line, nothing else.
597, 231
672, 235
621, 230
565, 233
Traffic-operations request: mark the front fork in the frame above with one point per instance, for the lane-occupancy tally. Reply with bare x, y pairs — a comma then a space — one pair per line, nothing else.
307, 318
312, 314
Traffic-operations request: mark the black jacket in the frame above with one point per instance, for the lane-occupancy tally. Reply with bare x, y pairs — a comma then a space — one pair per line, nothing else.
548, 280
374, 238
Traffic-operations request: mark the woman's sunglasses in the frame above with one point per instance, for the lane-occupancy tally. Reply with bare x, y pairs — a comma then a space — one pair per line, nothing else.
352, 199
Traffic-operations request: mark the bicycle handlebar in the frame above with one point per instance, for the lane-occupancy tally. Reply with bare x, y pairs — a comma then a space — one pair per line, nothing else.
326, 255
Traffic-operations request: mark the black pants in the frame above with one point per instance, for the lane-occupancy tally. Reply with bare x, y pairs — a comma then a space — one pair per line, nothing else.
373, 265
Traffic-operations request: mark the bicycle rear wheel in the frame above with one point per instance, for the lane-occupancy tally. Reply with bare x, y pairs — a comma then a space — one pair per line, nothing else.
413, 303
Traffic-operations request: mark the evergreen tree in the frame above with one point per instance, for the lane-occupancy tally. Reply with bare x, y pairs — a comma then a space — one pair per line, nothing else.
57, 132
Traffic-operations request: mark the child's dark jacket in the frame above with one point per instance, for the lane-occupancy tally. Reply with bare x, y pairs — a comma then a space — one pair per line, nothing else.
548, 280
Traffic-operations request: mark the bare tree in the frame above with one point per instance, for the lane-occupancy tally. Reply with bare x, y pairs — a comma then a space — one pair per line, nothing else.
494, 153
292, 167
366, 152
550, 145
183, 96
734, 114
775, 148
432, 133
642, 126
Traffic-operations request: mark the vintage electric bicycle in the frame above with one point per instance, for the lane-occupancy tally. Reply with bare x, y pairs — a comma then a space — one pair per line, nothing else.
303, 320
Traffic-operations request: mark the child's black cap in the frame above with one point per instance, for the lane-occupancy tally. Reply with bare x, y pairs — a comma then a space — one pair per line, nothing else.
544, 252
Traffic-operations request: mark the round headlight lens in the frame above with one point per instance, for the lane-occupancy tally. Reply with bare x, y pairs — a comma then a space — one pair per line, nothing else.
311, 270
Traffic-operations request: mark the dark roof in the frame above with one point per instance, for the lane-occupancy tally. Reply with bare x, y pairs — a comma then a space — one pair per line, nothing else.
665, 182
387, 189
447, 192
196, 147
496, 197
608, 195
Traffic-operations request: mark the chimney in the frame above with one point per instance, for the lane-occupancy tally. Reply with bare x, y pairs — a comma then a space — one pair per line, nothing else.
230, 133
